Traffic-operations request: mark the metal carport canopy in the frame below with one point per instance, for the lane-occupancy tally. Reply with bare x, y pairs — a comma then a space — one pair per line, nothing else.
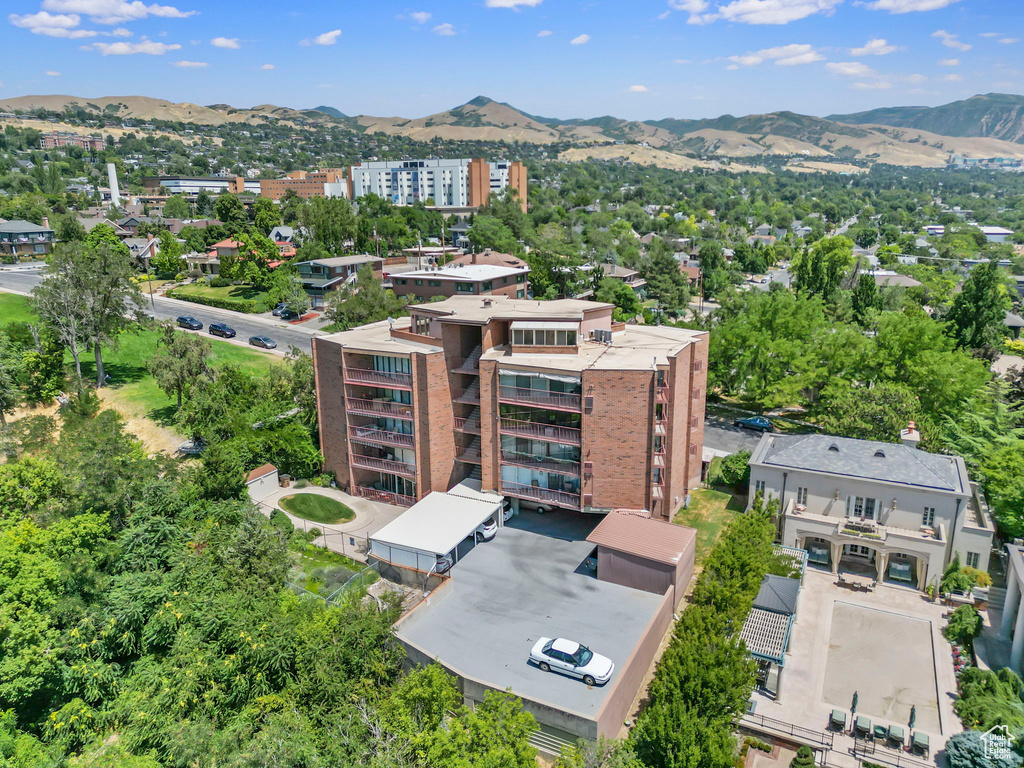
436, 523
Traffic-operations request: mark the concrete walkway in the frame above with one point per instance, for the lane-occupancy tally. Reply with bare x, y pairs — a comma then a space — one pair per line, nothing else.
350, 538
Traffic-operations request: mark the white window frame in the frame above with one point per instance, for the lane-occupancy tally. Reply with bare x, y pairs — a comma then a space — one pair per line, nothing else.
928, 517
801, 496
973, 558
860, 506
759, 486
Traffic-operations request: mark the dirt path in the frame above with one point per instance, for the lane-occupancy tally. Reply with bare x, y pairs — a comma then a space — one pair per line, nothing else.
155, 438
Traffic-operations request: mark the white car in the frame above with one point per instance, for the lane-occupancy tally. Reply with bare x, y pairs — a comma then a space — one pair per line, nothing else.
444, 563
486, 530
571, 658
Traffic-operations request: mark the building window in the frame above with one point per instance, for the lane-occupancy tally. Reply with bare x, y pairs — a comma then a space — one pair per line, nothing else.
465, 288
543, 338
520, 278
759, 486
39, 249
801, 496
434, 283
973, 558
421, 325
401, 282
658, 478
928, 518
486, 286
863, 508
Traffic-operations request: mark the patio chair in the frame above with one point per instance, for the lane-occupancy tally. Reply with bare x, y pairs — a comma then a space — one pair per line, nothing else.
920, 743
862, 726
838, 720
896, 736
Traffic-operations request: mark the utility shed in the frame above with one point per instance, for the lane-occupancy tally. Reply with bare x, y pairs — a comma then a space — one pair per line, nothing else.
261, 482
636, 551
432, 527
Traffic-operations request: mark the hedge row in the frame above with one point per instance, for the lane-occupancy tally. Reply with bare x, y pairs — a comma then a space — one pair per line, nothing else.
249, 306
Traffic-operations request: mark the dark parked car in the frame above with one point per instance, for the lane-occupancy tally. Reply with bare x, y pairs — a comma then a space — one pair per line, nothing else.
756, 423
222, 329
185, 321
279, 309
263, 341
289, 314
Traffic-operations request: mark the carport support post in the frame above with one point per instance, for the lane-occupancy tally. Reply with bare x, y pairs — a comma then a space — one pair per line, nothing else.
1018, 642
1009, 604
837, 554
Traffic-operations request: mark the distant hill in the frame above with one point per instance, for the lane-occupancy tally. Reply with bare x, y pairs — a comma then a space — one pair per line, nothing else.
990, 115
330, 111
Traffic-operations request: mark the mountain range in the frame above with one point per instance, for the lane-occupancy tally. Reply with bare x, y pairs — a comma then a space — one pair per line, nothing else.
989, 125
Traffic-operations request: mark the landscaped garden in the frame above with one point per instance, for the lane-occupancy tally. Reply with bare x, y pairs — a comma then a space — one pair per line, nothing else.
317, 508
241, 298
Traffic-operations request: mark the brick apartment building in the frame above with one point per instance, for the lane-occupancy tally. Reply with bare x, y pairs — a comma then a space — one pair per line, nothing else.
458, 279
548, 403
326, 182
63, 139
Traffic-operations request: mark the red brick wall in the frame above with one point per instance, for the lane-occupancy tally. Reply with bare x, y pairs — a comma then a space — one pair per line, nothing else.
331, 409
490, 439
617, 437
435, 439
687, 379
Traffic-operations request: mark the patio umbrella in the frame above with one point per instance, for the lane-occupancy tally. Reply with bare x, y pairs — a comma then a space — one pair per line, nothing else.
913, 716
853, 705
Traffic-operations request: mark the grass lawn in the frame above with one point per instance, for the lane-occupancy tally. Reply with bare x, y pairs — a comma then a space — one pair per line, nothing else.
227, 291
710, 509
14, 309
317, 508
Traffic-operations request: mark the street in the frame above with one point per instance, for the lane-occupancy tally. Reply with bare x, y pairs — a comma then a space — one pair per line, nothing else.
23, 280
722, 435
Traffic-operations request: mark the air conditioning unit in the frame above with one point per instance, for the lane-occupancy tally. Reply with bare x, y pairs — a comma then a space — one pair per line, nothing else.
588, 403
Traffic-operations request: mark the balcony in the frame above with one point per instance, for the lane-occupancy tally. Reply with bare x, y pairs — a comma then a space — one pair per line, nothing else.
470, 455
465, 365
657, 492
383, 465
377, 378
386, 496
467, 425
471, 395
533, 461
661, 394
533, 493
561, 401
548, 432
375, 436
378, 408
869, 533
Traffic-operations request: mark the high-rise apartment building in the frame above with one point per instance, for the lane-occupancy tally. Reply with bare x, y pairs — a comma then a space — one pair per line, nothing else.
323, 182
449, 183
549, 403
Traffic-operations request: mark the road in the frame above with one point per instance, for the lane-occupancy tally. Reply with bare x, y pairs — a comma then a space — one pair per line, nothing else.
23, 280
720, 434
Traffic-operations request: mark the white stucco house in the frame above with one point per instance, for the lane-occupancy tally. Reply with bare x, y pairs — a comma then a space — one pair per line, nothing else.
886, 508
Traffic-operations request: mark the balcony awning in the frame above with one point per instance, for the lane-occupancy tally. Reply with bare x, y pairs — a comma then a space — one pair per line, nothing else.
549, 376
523, 325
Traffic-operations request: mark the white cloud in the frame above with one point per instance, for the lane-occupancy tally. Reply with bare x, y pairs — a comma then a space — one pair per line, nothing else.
873, 85
115, 11
225, 42
514, 4
954, 78
444, 30
327, 38
758, 11
951, 41
189, 64
544, 33
850, 69
784, 56
915, 78
637, 89
420, 17
876, 46
580, 40
664, 14
680, 61
1009, 40
145, 45
948, 62
268, 66
51, 73
909, 6
52, 25
989, 34
122, 32
733, 67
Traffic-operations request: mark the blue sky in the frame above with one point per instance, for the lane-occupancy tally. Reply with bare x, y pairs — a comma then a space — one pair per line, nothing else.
637, 59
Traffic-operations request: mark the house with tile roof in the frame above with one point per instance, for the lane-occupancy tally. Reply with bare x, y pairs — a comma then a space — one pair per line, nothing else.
888, 510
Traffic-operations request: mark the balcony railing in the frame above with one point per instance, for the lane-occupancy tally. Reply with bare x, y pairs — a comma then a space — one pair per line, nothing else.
467, 425
533, 493
378, 378
376, 436
378, 408
657, 492
661, 394
386, 496
541, 397
549, 432
383, 465
470, 456
533, 461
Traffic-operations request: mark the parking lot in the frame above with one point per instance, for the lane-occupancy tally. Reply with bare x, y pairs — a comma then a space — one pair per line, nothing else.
530, 582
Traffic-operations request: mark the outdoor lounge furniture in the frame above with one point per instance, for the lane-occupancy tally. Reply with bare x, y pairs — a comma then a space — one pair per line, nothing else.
862, 726
838, 720
920, 743
895, 735
881, 733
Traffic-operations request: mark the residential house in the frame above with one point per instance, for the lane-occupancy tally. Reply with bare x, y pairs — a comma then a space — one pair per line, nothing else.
23, 238
887, 509
320, 276
458, 279
627, 276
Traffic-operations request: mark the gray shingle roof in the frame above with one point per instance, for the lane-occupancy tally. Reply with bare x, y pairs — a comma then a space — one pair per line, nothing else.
19, 226
778, 594
866, 459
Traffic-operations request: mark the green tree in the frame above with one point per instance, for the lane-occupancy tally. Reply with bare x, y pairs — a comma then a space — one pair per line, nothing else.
10, 375
267, 215
976, 317
866, 298
328, 221
176, 207
665, 283
491, 232
364, 301
804, 758
604, 753
229, 209
204, 204
878, 413
968, 750
612, 291
182, 359
1003, 470
168, 261
820, 270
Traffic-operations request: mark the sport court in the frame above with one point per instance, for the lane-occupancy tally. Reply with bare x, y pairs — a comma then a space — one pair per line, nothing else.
888, 659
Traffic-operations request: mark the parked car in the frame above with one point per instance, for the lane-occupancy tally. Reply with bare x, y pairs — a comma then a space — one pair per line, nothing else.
222, 329
263, 341
756, 423
289, 314
279, 309
506, 510
486, 530
185, 321
444, 563
571, 658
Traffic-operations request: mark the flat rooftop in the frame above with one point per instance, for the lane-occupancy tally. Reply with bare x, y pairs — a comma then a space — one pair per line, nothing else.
465, 272
526, 584
471, 309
